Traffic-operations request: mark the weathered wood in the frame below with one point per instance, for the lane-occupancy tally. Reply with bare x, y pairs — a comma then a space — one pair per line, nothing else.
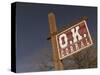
58, 65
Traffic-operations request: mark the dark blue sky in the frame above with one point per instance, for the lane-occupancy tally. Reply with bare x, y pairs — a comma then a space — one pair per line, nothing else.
32, 30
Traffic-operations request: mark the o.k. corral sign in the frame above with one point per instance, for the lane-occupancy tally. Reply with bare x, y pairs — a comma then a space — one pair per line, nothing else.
73, 39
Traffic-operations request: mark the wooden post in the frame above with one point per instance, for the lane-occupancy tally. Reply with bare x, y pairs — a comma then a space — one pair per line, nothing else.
53, 31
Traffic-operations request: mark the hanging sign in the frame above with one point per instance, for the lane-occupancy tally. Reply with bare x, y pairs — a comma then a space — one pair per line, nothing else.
73, 39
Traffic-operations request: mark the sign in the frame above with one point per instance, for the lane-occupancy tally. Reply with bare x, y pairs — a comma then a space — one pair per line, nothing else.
73, 39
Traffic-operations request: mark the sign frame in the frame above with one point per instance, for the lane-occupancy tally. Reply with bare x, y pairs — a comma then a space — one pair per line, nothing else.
83, 21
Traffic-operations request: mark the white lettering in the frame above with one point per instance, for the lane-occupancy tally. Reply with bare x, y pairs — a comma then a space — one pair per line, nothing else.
63, 45
82, 45
71, 48
76, 45
87, 42
67, 52
76, 34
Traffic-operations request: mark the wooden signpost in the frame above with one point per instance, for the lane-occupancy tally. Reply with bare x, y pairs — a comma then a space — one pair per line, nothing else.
53, 31
68, 41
